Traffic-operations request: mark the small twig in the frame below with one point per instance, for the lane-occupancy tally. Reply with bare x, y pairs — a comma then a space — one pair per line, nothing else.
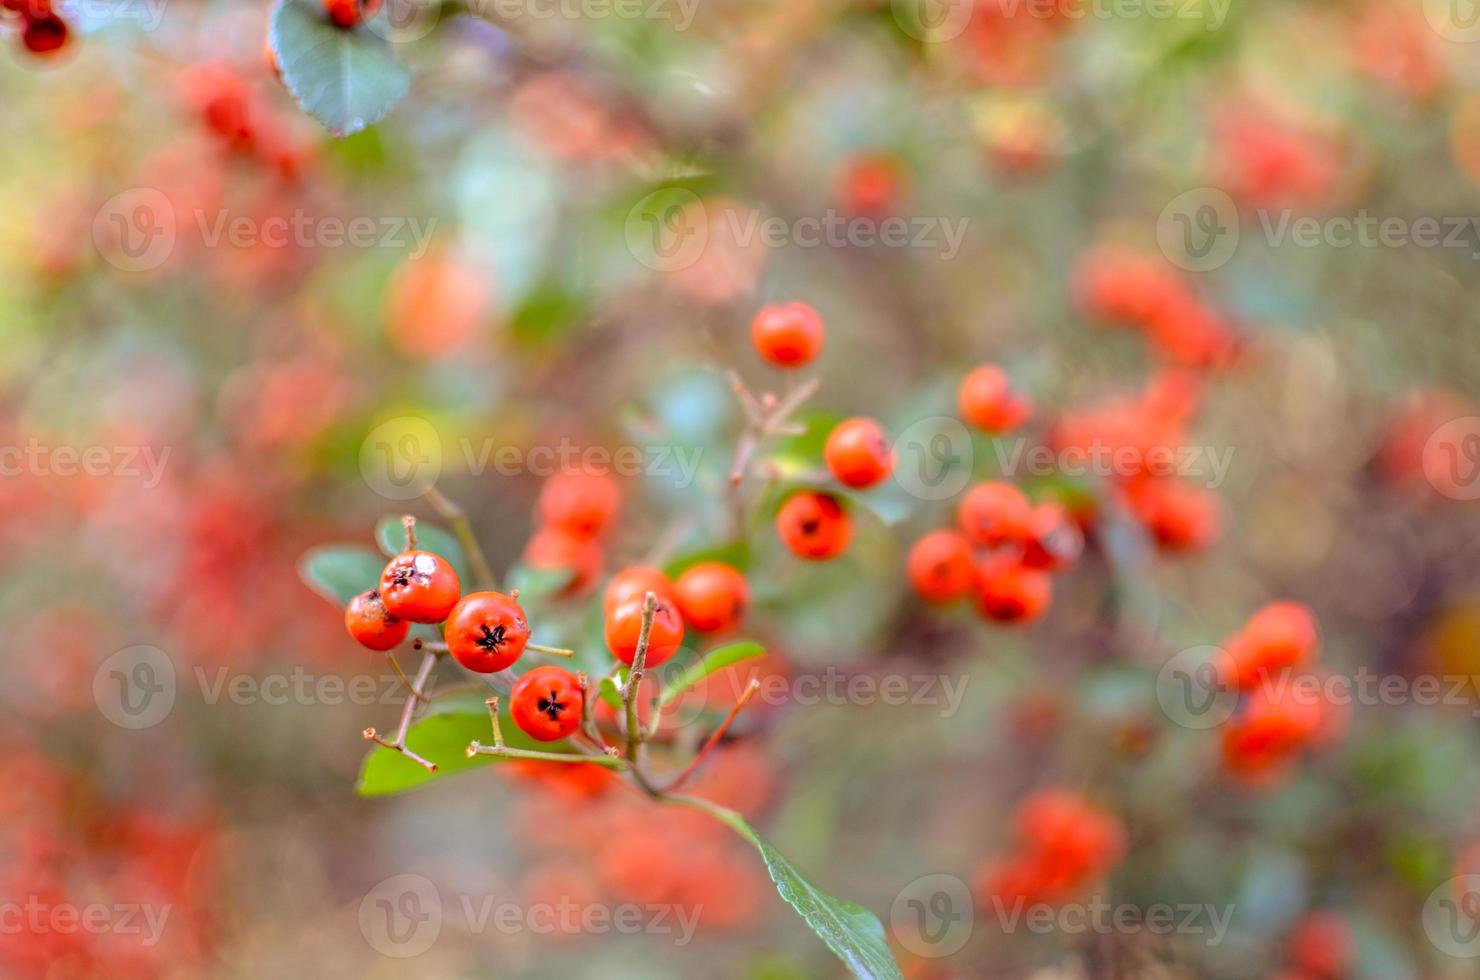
398, 743
458, 518
396, 666
500, 749
719, 733
765, 416
438, 647
588, 717
634, 678
409, 523
552, 651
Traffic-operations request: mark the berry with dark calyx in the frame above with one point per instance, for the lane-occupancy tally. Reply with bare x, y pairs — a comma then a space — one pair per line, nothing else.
547, 704
372, 625
814, 526
712, 596
486, 631
420, 586
624, 628
940, 567
858, 453
788, 335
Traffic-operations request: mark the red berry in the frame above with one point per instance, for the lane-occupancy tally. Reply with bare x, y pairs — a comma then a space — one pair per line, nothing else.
940, 566
635, 582
1273, 724
547, 703
1054, 540
858, 453
624, 626
45, 33
1323, 945
712, 596
371, 624
486, 631
552, 548
348, 13
995, 513
1007, 591
986, 400
814, 526
1277, 637
788, 335
1180, 516
419, 586
582, 504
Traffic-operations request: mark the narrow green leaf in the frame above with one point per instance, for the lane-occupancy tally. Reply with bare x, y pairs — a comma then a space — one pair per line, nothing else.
851, 931
344, 79
340, 572
712, 662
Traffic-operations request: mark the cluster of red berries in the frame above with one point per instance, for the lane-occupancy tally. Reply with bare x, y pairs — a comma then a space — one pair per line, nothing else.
1064, 843
346, 14
573, 512
42, 31
1281, 710
233, 111
711, 597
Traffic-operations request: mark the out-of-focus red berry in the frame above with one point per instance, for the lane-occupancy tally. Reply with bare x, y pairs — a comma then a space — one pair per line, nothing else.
788, 335
1007, 591
814, 526
940, 567
582, 504
995, 513
635, 582
712, 596
858, 453
987, 400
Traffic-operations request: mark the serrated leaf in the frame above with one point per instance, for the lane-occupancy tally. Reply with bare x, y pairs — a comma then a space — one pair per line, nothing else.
712, 662
390, 534
340, 572
441, 735
851, 931
346, 79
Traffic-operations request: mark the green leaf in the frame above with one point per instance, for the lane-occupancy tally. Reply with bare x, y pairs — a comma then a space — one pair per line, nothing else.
539, 583
340, 572
712, 662
390, 534
344, 79
441, 735
851, 931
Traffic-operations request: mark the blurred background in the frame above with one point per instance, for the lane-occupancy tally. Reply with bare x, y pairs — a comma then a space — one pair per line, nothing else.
1247, 233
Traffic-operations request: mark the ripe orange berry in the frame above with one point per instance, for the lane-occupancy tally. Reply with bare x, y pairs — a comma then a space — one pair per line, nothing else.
635, 582
712, 596
987, 400
940, 566
547, 703
486, 631
1180, 516
1322, 944
995, 513
1007, 591
624, 626
788, 335
371, 624
858, 453
582, 504
419, 586
1273, 724
814, 526
44, 33
553, 548
348, 13
1279, 636
1055, 541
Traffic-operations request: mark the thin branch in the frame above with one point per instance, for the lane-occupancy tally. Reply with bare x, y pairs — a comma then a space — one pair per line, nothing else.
719, 733
634, 678
552, 651
398, 743
458, 518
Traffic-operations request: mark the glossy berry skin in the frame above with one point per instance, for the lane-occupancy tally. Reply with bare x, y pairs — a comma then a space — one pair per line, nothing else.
372, 625
1278, 637
347, 13
712, 596
995, 513
635, 582
581, 504
788, 335
858, 453
486, 631
1009, 592
1054, 540
624, 626
547, 704
814, 526
940, 567
987, 400
419, 586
